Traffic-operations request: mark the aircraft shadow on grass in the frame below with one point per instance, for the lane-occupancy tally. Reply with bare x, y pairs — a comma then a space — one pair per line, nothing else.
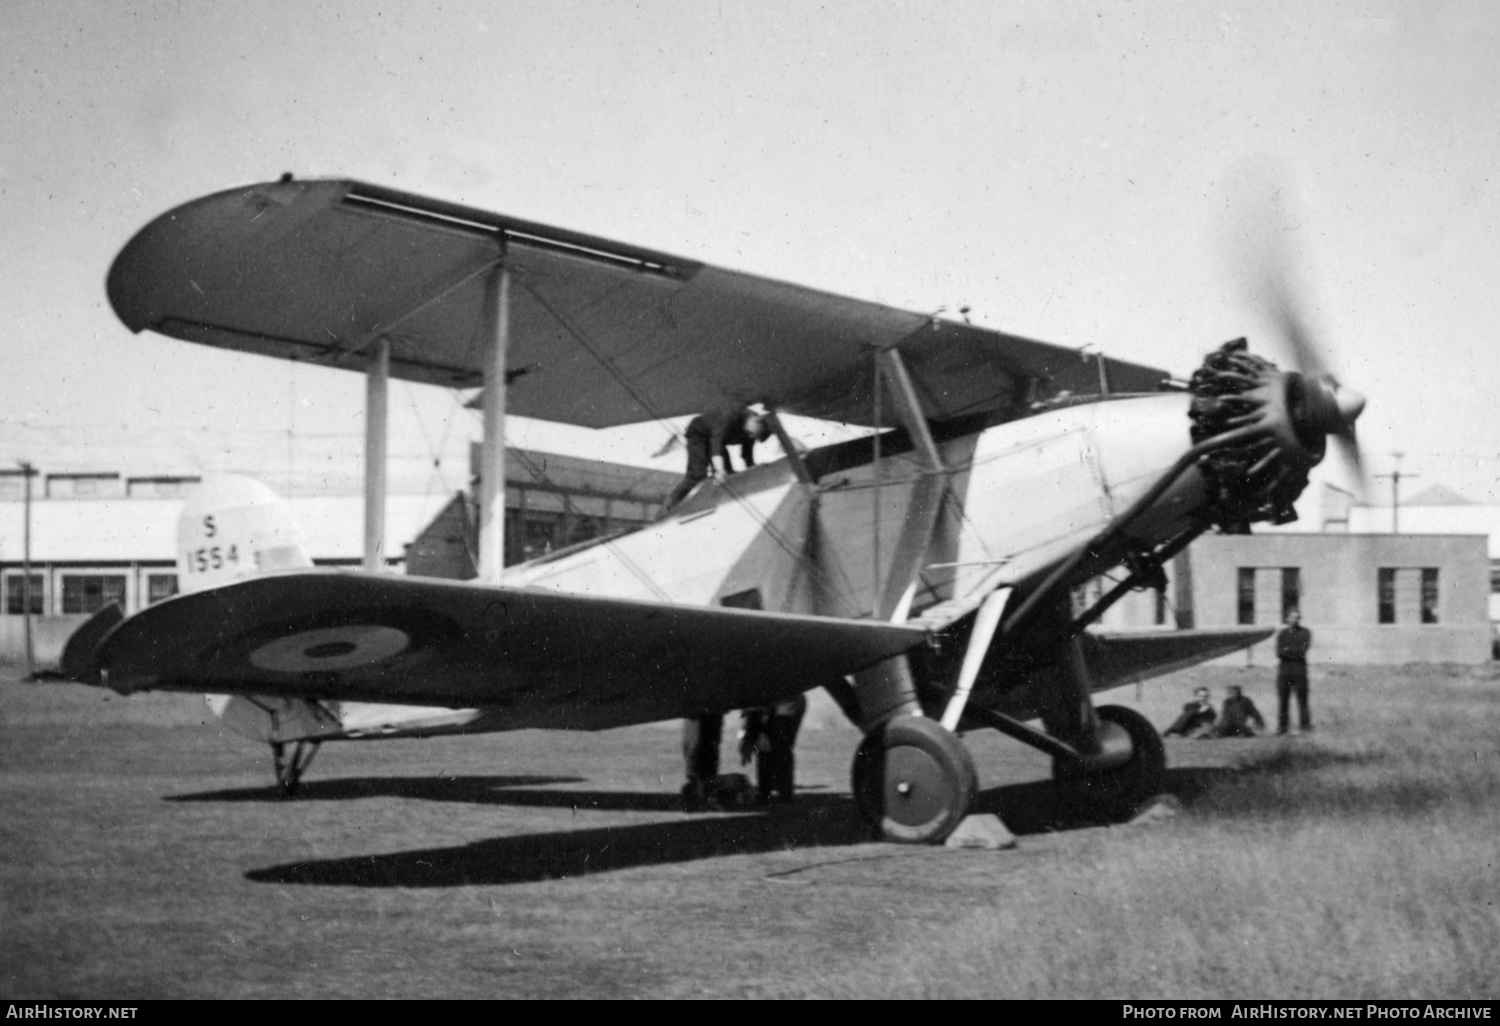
815, 820
482, 790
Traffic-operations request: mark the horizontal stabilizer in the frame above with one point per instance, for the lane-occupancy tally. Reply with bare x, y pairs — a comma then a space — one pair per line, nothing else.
78, 661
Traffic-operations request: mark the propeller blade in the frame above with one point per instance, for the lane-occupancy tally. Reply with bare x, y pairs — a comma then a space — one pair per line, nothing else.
1262, 230
1287, 312
1354, 461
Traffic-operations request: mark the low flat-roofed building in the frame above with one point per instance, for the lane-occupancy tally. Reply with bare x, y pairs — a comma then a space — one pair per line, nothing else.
1367, 598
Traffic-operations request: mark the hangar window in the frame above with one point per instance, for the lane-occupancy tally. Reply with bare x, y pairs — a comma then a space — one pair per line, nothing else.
539, 534
160, 586
89, 593
15, 600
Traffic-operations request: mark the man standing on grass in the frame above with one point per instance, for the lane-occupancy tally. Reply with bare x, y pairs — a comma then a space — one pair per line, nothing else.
1292, 644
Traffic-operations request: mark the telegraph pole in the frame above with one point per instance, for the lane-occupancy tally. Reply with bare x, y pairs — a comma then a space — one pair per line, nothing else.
1396, 477
26, 473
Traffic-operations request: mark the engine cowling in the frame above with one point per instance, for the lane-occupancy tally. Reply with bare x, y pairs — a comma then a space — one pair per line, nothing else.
1275, 425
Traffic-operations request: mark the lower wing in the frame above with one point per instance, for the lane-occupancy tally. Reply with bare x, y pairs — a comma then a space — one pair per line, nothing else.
1126, 657
546, 659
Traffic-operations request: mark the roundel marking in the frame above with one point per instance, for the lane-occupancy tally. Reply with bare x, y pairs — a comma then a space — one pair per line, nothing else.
331, 648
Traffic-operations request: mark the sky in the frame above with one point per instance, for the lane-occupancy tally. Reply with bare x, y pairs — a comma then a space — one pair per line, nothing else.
1082, 173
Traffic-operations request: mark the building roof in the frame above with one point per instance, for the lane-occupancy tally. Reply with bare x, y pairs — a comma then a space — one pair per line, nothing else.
110, 530
1437, 495
529, 468
1468, 518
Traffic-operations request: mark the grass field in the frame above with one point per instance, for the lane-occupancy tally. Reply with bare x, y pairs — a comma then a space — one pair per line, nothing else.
142, 854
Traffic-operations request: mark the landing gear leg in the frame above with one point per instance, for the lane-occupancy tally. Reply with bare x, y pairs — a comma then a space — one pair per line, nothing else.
913, 780
1117, 788
1120, 760
290, 765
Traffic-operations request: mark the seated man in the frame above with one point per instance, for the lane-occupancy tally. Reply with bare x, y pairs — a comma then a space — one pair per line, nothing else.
1237, 716
1197, 715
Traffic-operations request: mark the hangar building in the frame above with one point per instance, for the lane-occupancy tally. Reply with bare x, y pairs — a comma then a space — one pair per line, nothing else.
98, 538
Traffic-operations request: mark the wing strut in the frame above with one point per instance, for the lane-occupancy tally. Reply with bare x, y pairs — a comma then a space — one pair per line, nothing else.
377, 383
909, 408
793, 455
496, 335
895, 597
979, 645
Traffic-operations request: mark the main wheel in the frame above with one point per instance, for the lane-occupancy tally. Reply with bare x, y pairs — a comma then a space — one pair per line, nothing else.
913, 780
1119, 789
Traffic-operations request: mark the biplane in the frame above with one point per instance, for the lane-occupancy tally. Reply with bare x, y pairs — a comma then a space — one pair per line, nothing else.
927, 574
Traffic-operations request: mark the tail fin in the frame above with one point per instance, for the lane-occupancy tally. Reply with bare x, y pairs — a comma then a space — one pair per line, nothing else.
232, 528
235, 527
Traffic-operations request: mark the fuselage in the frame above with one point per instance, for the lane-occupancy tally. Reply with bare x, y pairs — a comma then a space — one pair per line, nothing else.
1020, 497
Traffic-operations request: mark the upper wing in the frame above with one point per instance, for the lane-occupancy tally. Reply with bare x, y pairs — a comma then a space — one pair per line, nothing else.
1128, 656
601, 333
545, 659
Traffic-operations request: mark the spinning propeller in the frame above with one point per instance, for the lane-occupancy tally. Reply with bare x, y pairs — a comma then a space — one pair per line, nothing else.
1266, 267
1331, 407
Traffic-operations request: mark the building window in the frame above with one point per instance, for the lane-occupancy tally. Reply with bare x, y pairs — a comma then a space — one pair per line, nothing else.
1385, 580
581, 528
1291, 591
538, 534
1408, 595
15, 594
1246, 594
89, 593
160, 586
1429, 594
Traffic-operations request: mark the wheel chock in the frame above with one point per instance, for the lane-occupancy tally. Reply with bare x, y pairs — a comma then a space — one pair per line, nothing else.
984, 832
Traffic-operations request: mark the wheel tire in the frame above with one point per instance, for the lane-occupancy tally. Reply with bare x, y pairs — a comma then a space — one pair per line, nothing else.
913, 780
1120, 789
